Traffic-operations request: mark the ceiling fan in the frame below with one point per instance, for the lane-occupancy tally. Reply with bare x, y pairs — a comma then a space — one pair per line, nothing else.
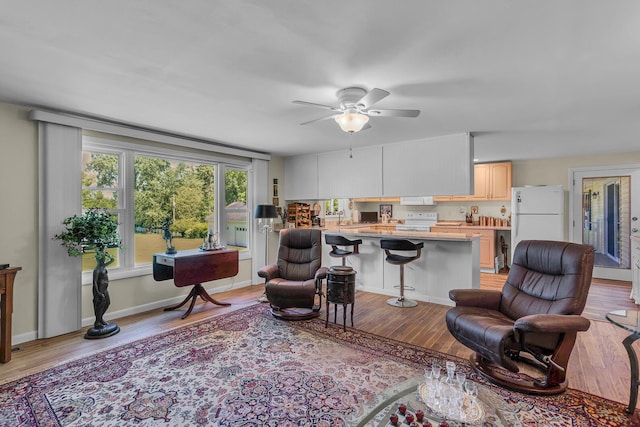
354, 109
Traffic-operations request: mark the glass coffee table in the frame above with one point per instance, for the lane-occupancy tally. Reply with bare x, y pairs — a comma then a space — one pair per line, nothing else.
494, 410
629, 320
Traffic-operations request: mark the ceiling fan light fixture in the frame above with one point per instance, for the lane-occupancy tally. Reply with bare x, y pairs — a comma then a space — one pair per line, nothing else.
351, 122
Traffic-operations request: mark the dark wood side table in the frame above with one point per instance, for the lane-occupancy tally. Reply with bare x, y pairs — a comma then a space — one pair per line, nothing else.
629, 320
341, 289
6, 306
194, 267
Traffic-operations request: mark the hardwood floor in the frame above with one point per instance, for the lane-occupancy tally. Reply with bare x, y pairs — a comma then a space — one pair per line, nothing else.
598, 364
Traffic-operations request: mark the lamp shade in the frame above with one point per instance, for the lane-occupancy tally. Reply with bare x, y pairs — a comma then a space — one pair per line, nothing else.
351, 122
265, 211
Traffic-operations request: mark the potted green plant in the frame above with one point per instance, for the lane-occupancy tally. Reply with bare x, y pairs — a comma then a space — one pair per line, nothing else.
94, 232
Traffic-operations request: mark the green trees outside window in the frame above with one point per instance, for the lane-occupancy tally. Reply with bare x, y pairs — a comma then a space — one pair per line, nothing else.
181, 190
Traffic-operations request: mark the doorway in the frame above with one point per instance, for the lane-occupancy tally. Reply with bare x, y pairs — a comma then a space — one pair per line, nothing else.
606, 201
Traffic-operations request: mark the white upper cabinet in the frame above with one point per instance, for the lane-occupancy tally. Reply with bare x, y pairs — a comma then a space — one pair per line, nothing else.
434, 166
429, 167
345, 174
301, 178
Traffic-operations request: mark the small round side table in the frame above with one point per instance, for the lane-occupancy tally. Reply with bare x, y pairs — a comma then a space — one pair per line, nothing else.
341, 289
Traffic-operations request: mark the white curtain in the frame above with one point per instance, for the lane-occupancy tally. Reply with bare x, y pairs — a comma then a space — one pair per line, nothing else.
59, 275
260, 196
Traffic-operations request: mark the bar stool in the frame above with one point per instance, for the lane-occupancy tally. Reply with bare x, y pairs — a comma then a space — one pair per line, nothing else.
336, 241
400, 245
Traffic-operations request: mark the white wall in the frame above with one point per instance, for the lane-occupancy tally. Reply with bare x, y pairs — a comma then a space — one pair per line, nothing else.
19, 211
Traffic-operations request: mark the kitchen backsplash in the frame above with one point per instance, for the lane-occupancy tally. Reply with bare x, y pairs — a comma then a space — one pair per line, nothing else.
446, 210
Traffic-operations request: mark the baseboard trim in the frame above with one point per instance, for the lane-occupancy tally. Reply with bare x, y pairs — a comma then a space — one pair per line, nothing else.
87, 321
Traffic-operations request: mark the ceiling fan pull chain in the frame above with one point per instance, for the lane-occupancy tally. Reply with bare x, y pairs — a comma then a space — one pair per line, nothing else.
350, 152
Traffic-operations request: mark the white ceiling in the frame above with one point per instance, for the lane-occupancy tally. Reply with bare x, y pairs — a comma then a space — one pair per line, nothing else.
530, 79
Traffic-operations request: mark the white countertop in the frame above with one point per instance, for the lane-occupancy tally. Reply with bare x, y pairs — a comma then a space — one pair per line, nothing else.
370, 232
462, 224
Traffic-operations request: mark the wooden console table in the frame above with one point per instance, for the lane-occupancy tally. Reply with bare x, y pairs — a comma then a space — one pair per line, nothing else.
6, 306
194, 267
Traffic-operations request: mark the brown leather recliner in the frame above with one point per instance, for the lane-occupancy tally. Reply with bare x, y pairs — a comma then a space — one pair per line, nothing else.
294, 281
534, 319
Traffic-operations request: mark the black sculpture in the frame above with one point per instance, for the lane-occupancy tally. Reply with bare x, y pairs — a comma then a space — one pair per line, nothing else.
168, 237
101, 300
95, 230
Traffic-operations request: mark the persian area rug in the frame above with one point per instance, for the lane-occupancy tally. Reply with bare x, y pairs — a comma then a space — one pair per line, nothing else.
247, 368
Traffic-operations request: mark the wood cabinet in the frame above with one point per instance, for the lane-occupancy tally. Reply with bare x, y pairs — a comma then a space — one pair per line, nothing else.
491, 181
299, 214
482, 182
500, 181
383, 227
487, 243
7, 276
487, 249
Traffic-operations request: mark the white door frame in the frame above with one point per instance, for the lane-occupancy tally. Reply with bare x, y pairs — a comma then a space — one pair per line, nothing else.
575, 202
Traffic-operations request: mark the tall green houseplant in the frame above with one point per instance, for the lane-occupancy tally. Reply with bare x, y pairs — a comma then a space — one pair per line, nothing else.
94, 232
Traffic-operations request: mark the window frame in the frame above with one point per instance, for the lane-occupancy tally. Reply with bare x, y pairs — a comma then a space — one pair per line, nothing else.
127, 153
221, 214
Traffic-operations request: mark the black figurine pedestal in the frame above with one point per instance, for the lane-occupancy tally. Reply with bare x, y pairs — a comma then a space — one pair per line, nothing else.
104, 332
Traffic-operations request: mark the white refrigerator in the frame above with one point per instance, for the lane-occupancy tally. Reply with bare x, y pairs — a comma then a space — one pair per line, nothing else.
537, 213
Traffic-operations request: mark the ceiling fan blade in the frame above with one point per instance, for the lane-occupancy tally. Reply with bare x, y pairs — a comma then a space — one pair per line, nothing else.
313, 104
393, 113
372, 97
318, 120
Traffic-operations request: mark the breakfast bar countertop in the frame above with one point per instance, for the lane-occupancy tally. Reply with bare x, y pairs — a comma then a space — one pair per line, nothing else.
371, 232
464, 225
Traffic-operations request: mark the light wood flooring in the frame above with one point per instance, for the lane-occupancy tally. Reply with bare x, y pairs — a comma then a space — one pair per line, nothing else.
598, 364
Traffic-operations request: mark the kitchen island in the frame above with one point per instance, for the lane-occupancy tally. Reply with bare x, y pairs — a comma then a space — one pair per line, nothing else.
448, 261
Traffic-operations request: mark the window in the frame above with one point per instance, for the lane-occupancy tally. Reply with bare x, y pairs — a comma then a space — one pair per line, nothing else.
176, 191
235, 209
147, 186
100, 189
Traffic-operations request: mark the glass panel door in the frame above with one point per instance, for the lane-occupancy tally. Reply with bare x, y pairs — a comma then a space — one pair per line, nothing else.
606, 219
603, 216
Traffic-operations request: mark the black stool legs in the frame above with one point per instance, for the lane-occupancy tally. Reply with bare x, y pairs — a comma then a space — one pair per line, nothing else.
401, 245
401, 301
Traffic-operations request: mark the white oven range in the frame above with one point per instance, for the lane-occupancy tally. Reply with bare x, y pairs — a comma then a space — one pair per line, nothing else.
418, 221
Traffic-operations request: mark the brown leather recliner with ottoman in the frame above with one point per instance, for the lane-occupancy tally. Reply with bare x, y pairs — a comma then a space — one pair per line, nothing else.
534, 319
293, 282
